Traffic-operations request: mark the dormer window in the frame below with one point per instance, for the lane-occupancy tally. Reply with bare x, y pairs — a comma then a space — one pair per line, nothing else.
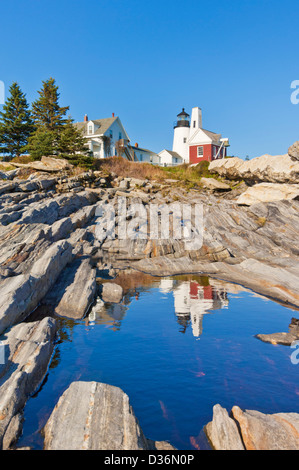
90, 129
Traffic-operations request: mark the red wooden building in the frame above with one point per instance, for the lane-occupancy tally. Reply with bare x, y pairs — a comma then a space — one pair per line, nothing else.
193, 143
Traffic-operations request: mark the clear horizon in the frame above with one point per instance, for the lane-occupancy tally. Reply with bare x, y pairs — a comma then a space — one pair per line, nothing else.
145, 61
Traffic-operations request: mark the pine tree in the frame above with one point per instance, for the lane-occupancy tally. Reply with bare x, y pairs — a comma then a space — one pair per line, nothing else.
71, 140
46, 111
15, 122
42, 143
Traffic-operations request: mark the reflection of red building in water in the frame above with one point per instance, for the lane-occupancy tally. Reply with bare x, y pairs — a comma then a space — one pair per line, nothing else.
192, 301
194, 291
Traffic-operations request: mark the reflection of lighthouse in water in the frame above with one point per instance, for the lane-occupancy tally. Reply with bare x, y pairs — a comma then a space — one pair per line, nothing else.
192, 301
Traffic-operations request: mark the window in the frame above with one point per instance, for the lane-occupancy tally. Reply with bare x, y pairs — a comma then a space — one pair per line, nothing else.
119, 135
111, 134
90, 129
185, 140
194, 123
200, 151
141, 158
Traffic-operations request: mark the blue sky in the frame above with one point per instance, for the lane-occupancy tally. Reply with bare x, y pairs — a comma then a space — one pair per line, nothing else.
145, 60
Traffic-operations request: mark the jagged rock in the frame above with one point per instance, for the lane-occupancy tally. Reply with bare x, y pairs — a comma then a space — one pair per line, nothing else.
294, 151
61, 228
222, 431
268, 192
261, 431
214, 185
137, 182
95, 416
49, 164
267, 168
74, 290
7, 187
112, 292
28, 349
21, 294
282, 338
253, 430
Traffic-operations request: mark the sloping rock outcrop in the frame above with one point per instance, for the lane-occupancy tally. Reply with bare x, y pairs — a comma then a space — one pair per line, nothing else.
74, 290
48, 164
267, 168
214, 185
252, 430
22, 293
53, 241
28, 350
268, 192
96, 416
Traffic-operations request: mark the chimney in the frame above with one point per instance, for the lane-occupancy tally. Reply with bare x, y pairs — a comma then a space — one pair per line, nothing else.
85, 118
112, 114
136, 145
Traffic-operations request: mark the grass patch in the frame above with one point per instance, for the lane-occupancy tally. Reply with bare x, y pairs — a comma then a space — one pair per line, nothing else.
190, 175
122, 167
6, 167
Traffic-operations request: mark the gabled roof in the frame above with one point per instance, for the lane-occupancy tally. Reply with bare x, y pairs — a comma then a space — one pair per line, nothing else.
211, 135
103, 125
173, 154
141, 149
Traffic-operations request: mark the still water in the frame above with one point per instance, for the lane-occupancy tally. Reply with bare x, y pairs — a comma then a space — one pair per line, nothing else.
176, 346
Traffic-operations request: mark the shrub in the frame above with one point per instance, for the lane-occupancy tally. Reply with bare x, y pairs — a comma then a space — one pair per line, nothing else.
83, 161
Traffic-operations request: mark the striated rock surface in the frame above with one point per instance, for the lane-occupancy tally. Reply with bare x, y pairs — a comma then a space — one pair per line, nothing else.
74, 291
268, 192
223, 432
267, 168
95, 416
261, 431
53, 240
252, 430
22, 293
214, 185
28, 349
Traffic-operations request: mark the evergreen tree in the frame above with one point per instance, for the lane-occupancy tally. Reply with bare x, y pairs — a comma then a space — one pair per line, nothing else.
15, 122
71, 140
42, 143
46, 111
55, 134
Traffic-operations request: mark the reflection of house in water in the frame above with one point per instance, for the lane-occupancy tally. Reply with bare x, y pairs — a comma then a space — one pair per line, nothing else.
192, 301
107, 314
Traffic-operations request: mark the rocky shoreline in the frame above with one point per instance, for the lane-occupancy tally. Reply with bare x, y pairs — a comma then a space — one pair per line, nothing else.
51, 258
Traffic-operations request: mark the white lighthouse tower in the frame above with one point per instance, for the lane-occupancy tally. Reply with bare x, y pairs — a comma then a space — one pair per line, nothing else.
181, 135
